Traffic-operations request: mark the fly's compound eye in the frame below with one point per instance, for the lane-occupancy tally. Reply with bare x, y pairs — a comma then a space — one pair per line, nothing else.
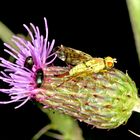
109, 62
29, 63
39, 78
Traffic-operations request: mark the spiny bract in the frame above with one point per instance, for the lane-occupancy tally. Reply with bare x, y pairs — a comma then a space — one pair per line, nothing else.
104, 100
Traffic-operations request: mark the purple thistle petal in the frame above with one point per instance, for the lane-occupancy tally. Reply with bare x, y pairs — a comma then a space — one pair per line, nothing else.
22, 79
46, 28
51, 60
30, 33
9, 52
51, 47
26, 100
12, 49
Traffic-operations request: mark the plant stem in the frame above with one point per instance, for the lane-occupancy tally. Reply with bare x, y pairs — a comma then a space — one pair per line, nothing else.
6, 35
134, 13
41, 132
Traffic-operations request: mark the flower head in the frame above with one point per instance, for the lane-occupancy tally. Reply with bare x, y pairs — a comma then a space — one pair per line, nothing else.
105, 100
31, 58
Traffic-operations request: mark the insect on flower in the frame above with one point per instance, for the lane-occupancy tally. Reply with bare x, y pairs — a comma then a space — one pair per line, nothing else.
83, 62
29, 63
71, 56
94, 65
26, 74
39, 77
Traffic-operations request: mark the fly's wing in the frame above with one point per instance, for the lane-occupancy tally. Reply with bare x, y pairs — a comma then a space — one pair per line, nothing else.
71, 56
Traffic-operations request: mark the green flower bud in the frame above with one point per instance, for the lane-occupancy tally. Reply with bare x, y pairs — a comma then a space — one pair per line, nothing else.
105, 100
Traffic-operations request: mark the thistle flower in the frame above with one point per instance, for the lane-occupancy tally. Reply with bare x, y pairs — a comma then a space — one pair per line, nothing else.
31, 58
105, 99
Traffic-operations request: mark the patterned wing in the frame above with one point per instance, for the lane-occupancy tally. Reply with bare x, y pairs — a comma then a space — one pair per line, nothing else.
72, 56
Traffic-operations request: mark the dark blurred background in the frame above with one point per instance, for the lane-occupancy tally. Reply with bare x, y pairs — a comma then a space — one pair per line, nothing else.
100, 28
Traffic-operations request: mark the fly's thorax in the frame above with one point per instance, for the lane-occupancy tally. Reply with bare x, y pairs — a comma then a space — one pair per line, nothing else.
95, 65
